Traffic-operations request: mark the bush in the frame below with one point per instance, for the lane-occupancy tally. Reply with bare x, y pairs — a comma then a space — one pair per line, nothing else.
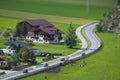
2, 67
1, 73
7, 32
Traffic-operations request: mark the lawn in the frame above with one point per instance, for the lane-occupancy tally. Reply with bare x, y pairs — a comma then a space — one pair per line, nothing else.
2, 42
68, 8
102, 65
6, 22
56, 49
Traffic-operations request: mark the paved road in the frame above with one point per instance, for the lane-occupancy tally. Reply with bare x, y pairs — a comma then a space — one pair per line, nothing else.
94, 41
95, 44
8, 71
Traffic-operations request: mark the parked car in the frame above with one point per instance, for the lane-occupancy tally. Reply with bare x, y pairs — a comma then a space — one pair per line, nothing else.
37, 52
48, 54
43, 54
1, 51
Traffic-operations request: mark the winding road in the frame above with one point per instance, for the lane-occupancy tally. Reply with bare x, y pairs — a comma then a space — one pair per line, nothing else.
94, 44
94, 41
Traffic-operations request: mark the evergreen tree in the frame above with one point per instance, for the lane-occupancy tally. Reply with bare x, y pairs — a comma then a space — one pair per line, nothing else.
9, 62
31, 56
27, 54
18, 48
24, 32
99, 28
15, 58
70, 39
17, 30
118, 2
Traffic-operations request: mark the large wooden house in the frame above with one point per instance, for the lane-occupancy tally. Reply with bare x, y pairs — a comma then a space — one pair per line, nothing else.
40, 31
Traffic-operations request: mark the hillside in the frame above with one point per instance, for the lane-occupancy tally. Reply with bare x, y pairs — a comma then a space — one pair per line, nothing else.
111, 21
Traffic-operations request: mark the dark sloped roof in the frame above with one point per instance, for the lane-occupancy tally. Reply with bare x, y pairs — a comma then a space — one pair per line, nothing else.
43, 25
41, 22
16, 43
51, 30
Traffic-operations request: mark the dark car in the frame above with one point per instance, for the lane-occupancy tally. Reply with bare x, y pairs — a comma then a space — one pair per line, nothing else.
62, 59
43, 54
45, 65
83, 54
25, 70
48, 54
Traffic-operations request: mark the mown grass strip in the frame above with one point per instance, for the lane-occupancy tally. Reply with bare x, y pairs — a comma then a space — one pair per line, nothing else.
51, 18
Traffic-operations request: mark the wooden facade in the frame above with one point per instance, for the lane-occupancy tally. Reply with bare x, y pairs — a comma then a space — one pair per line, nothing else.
39, 30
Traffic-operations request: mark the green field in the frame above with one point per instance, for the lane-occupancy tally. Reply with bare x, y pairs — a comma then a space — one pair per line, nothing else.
103, 65
67, 8
6, 22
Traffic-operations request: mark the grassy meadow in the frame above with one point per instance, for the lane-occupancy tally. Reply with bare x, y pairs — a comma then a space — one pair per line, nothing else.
6, 22
102, 65
89, 9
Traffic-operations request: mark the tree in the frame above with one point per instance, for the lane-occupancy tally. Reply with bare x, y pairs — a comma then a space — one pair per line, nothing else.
18, 48
7, 32
15, 58
118, 2
99, 28
24, 32
70, 39
31, 56
24, 53
27, 54
10, 62
17, 30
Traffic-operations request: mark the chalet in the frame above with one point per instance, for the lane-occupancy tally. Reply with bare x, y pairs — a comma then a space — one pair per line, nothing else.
12, 45
40, 31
